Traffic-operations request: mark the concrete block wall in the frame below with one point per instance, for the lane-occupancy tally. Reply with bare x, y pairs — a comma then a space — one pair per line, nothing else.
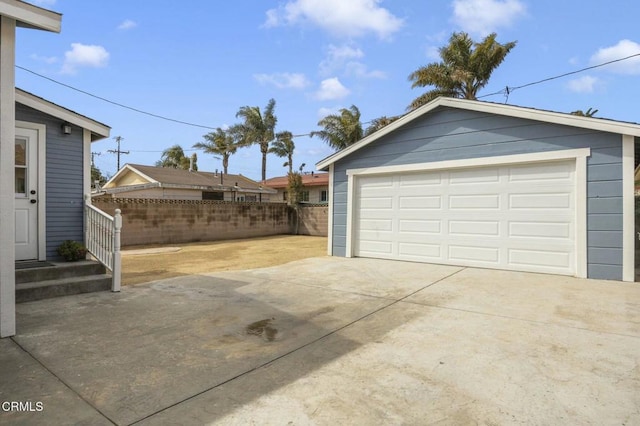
155, 221
314, 220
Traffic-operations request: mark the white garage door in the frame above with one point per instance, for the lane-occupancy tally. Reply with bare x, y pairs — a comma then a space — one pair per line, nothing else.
518, 217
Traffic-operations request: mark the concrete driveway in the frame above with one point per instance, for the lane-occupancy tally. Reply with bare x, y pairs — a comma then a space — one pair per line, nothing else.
332, 341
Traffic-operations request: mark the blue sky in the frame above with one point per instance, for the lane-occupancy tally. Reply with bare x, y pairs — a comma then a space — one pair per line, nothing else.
199, 61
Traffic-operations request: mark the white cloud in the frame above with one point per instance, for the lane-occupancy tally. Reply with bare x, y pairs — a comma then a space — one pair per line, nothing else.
344, 58
360, 70
45, 59
83, 55
352, 18
585, 84
283, 80
127, 24
324, 111
337, 57
482, 17
621, 50
331, 89
433, 53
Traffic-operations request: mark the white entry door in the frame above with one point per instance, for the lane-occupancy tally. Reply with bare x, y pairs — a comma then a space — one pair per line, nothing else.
516, 217
26, 193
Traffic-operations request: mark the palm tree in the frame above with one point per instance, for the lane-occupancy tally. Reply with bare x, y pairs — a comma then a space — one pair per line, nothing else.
257, 128
378, 123
283, 146
465, 68
219, 143
589, 113
174, 157
341, 130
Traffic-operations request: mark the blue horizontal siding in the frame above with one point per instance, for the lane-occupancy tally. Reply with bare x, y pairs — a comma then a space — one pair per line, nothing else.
64, 180
450, 134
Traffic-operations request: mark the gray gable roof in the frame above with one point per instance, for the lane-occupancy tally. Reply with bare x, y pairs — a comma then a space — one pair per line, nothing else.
179, 178
599, 124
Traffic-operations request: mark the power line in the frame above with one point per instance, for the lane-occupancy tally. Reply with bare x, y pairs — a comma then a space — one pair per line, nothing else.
84, 92
506, 92
118, 151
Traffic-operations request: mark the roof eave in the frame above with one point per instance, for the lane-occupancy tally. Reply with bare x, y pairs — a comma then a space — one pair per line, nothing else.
31, 16
97, 129
597, 124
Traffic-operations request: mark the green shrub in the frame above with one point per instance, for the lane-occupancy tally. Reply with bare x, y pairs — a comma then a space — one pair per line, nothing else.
72, 251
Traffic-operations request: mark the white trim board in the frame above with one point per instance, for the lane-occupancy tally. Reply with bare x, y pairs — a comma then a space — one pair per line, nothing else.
628, 208
42, 184
476, 162
597, 124
100, 130
31, 16
330, 218
579, 155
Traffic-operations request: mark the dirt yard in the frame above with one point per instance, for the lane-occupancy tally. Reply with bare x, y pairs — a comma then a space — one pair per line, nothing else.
150, 263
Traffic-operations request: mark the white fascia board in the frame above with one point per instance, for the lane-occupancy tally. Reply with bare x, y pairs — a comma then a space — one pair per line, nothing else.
475, 162
598, 124
100, 130
30, 16
138, 187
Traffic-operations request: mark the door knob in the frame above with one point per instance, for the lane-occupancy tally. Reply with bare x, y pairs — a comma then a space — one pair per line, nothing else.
33, 192
33, 201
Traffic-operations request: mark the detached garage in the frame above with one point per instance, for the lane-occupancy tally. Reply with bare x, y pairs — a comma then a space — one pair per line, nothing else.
489, 185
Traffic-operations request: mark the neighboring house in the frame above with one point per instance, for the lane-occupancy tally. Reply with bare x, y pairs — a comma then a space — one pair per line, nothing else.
315, 188
488, 185
138, 181
13, 14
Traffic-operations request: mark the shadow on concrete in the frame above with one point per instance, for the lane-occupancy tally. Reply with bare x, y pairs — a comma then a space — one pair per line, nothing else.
143, 353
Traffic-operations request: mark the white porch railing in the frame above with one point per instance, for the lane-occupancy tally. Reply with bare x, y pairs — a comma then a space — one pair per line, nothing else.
103, 239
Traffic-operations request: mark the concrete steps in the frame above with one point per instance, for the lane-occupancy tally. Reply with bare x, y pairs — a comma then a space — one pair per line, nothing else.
61, 279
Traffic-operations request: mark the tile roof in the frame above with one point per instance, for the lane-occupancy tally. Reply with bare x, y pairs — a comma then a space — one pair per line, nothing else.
315, 179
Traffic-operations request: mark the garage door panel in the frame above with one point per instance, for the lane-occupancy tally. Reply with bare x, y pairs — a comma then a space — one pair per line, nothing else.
420, 179
425, 252
376, 203
420, 202
376, 225
474, 253
375, 247
480, 201
545, 258
474, 176
540, 229
474, 228
506, 217
383, 181
424, 226
541, 201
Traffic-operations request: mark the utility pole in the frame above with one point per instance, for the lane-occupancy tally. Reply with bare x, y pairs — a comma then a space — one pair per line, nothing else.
93, 154
118, 151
